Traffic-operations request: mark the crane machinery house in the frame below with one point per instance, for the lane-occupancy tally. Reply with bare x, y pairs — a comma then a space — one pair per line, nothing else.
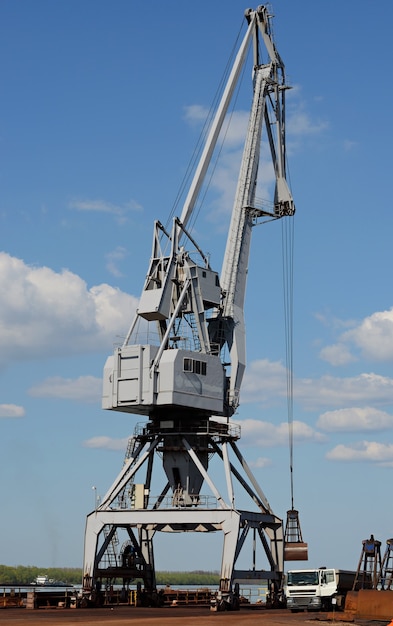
138, 377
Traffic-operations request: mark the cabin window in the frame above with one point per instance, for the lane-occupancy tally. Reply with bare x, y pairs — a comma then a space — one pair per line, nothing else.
329, 576
187, 365
195, 366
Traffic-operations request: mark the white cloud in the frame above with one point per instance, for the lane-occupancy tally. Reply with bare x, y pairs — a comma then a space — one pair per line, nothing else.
82, 389
107, 443
11, 411
380, 453
261, 462
45, 313
300, 123
196, 113
101, 206
338, 354
266, 435
355, 419
335, 323
334, 391
373, 336
264, 382
113, 258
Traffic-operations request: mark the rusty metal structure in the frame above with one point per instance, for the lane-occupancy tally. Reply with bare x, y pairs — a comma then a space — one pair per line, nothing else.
369, 568
386, 576
372, 594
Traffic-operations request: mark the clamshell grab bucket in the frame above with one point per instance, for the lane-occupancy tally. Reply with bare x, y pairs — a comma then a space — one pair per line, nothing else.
294, 547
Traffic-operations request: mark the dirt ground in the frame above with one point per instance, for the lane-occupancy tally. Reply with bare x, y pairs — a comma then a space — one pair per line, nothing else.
167, 616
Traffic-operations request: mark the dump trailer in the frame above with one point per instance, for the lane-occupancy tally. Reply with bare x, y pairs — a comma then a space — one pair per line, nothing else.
319, 589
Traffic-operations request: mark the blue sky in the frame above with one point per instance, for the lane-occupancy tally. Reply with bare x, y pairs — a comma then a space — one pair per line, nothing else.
100, 112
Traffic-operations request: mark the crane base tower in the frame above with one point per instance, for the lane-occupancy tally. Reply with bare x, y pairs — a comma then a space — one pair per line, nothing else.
130, 512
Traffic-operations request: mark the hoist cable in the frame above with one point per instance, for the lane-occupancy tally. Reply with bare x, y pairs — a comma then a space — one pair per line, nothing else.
288, 258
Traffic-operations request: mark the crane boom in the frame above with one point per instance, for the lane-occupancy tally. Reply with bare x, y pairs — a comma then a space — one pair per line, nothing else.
199, 314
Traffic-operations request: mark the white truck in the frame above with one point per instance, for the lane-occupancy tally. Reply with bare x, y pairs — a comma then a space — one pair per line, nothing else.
319, 589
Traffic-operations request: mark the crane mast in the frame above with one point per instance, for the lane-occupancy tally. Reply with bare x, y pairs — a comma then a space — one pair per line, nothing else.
180, 378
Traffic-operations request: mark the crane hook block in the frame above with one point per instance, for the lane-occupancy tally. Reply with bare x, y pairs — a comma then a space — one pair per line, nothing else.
294, 547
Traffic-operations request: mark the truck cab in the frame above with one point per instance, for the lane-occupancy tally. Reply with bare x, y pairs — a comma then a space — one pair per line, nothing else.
317, 589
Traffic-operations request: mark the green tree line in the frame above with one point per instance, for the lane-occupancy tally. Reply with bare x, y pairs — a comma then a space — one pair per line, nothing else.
187, 578
26, 574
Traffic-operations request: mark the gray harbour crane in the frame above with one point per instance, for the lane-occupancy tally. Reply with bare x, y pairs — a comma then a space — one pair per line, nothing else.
181, 368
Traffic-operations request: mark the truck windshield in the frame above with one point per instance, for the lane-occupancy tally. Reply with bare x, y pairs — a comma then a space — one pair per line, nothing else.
302, 578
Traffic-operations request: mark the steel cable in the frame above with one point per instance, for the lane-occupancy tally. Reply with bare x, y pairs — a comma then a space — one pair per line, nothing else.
288, 258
